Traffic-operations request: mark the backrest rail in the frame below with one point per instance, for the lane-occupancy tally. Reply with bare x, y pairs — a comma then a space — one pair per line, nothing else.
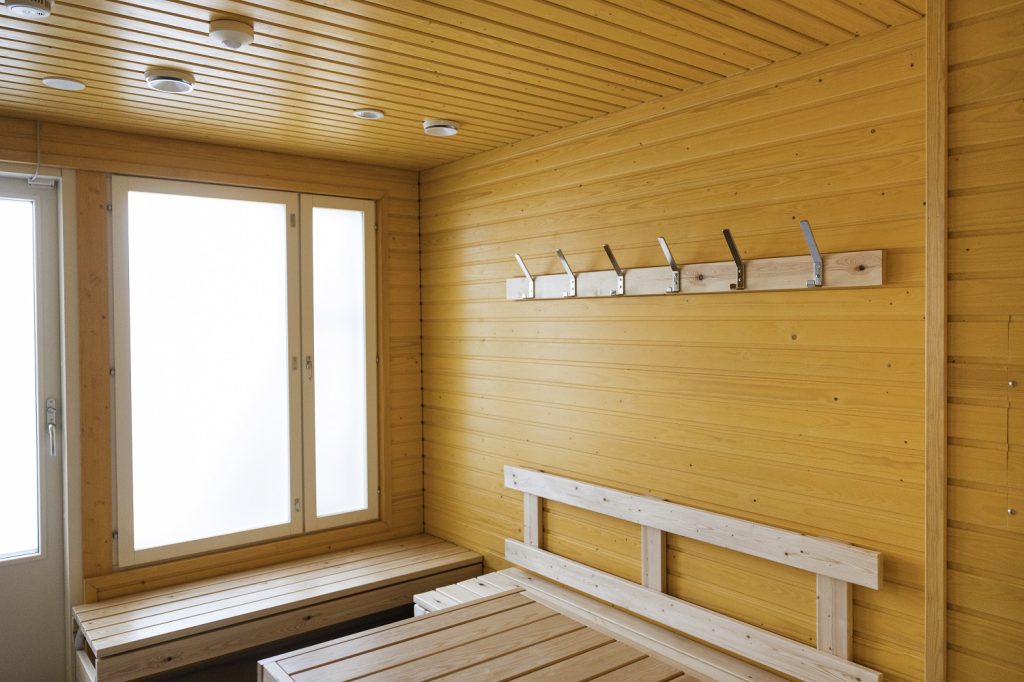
780, 653
822, 556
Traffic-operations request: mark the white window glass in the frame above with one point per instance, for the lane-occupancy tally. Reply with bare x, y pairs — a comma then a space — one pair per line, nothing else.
209, 353
19, 449
339, 333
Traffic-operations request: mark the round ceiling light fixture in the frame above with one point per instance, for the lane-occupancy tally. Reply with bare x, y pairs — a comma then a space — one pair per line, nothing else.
30, 9
231, 33
368, 114
64, 83
170, 80
440, 128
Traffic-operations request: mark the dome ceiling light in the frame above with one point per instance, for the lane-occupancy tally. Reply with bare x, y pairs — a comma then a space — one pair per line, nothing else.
368, 114
170, 80
30, 9
231, 33
440, 128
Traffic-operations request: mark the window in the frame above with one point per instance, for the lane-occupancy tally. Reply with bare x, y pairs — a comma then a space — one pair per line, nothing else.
245, 346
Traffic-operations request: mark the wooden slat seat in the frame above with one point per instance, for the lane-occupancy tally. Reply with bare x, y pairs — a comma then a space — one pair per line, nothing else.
503, 636
153, 632
697, 660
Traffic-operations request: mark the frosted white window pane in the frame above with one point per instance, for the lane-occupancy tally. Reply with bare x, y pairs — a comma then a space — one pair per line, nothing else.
208, 292
19, 447
339, 338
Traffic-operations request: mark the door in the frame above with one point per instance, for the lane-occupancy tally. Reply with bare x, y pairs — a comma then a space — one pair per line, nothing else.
32, 615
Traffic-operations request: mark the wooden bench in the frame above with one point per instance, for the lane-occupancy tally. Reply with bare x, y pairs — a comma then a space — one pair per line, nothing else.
154, 632
505, 636
836, 565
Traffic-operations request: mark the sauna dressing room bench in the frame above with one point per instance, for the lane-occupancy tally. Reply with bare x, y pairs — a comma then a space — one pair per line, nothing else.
567, 622
155, 632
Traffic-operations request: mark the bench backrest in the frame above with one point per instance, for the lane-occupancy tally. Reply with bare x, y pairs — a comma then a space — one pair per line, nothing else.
836, 565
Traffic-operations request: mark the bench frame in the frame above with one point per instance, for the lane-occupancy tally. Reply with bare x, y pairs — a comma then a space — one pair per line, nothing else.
836, 565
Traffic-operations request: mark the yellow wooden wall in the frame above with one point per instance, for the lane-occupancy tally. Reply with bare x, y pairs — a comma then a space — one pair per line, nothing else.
986, 341
96, 154
801, 409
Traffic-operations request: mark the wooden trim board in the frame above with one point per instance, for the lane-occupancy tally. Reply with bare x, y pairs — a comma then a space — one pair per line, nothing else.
936, 182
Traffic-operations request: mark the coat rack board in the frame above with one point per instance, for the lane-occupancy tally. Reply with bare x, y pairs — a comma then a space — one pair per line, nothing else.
834, 270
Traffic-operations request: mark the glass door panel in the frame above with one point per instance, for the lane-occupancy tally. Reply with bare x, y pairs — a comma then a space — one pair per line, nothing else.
19, 396
340, 343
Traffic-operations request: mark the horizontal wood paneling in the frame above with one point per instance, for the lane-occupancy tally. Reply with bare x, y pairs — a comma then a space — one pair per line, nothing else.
96, 154
985, 569
799, 409
505, 69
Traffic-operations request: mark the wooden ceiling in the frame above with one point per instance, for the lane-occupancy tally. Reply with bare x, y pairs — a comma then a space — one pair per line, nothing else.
505, 69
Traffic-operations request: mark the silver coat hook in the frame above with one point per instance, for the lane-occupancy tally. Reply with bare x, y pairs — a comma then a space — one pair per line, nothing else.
572, 276
620, 287
818, 278
741, 282
531, 290
674, 289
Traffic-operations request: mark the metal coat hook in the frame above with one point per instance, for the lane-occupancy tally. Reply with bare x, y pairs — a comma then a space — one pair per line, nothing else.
741, 281
620, 286
674, 289
572, 276
531, 289
819, 267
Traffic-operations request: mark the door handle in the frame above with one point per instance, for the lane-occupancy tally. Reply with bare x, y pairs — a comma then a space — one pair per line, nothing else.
51, 424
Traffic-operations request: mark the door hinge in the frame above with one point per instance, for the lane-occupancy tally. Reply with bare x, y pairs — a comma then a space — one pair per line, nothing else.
296, 505
112, 372
291, 220
110, 208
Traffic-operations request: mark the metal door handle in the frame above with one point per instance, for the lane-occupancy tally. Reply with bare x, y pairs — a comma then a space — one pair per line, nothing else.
51, 424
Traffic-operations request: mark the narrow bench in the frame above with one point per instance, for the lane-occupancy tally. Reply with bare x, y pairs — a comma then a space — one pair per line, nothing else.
162, 630
836, 565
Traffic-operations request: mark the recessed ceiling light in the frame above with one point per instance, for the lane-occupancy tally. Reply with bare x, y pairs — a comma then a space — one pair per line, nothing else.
64, 83
368, 114
440, 128
170, 80
230, 33
32, 9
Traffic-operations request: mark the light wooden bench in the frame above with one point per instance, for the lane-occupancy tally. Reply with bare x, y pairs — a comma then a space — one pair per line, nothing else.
506, 636
154, 632
836, 565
